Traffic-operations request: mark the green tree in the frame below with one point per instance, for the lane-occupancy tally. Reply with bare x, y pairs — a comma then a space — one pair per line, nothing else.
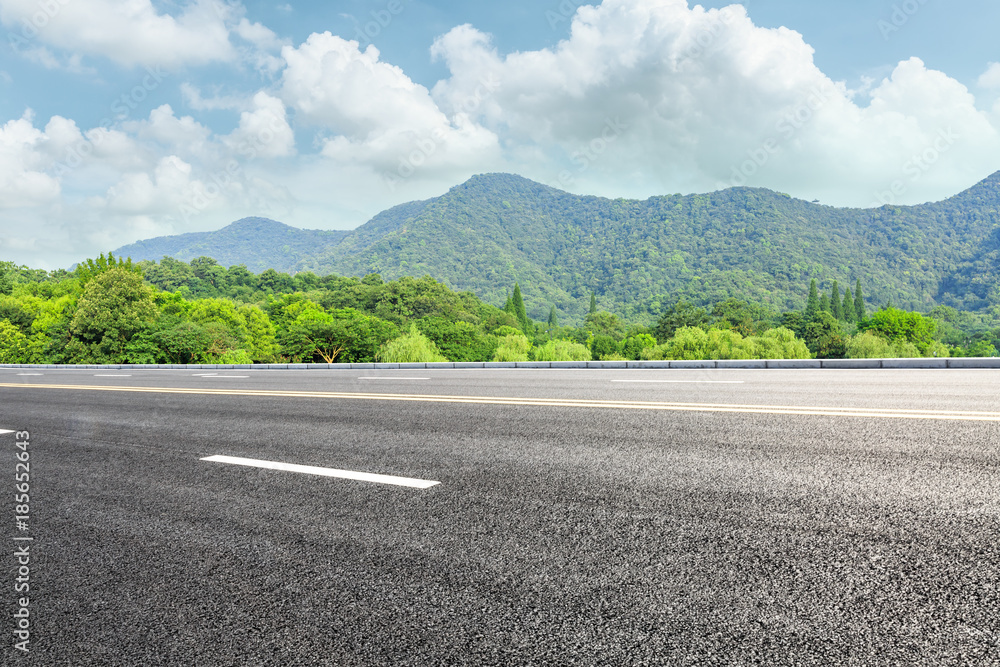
209, 272
847, 308
859, 303
740, 316
115, 306
604, 323
412, 347
272, 282
824, 335
14, 346
869, 345
519, 311
8, 273
897, 325
603, 345
632, 347
457, 340
593, 303
812, 305
836, 302
824, 303
88, 269
513, 347
561, 350
681, 314
553, 320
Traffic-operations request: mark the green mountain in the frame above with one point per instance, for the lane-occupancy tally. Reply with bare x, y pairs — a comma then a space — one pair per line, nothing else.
259, 243
638, 256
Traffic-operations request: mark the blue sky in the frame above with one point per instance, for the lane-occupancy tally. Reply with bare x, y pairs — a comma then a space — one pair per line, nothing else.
126, 120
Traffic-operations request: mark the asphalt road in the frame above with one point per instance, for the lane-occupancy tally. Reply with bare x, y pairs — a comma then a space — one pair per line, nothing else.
582, 517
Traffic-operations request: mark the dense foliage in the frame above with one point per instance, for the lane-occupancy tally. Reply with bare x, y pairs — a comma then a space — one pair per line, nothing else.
639, 257
113, 311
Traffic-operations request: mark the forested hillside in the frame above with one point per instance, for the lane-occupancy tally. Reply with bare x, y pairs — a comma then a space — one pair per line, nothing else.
257, 243
638, 257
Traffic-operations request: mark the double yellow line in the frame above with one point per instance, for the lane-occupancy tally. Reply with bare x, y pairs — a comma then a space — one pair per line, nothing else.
875, 413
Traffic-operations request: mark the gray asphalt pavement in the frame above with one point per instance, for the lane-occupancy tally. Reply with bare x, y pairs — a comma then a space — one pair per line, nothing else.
582, 517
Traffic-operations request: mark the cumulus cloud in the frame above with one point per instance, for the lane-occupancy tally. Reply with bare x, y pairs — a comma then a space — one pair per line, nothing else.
263, 131
647, 96
375, 113
23, 161
129, 33
643, 97
991, 77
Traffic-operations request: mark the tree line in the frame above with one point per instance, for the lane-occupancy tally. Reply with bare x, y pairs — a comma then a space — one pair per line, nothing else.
111, 310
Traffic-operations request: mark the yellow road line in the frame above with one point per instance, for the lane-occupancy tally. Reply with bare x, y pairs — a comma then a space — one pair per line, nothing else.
546, 402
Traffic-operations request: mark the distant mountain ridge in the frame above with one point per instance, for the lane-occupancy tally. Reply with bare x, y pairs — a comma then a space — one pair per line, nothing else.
260, 243
637, 256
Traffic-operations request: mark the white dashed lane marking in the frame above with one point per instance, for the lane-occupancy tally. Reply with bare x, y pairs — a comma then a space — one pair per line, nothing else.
324, 472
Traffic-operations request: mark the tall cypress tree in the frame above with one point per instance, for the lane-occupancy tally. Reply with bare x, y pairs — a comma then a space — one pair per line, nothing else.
593, 303
553, 320
812, 306
836, 305
859, 302
848, 307
519, 311
824, 302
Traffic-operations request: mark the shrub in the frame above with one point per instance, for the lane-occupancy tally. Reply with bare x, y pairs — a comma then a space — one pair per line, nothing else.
412, 347
235, 357
632, 347
869, 345
14, 346
898, 325
512, 348
561, 350
602, 345
779, 343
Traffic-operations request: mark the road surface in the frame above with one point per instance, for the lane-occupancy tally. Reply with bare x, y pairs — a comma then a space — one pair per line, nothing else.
585, 517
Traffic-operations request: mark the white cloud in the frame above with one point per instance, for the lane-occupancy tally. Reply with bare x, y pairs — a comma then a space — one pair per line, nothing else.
377, 115
23, 161
644, 97
991, 77
648, 96
264, 131
193, 98
129, 32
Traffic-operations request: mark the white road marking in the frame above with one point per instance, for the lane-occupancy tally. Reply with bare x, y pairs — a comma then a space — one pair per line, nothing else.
3, 430
325, 472
373, 377
111, 376
204, 375
879, 413
30, 373
684, 381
